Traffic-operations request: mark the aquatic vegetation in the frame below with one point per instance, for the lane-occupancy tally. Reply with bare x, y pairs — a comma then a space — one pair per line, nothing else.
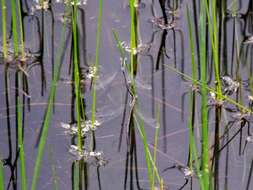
76, 72
48, 113
249, 139
20, 136
94, 157
159, 22
86, 127
229, 85
40, 5
140, 49
13, 59
248, 40
73, 2
134, 89
204, 178
98, 44
4, 28
1, 175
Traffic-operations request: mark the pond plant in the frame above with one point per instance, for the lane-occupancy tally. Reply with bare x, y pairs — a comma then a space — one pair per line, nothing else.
219, 91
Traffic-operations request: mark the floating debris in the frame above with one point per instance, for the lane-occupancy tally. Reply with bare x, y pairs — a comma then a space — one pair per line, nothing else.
64, 17
249, 139
123, 63
241, 116
147, 119
229, 85
95, 157
92, 72
174, 13
188, 173
77, 153
185, 170
159, 22
213, 101
139, 5
142, 84
72, 2
233, 14
248, 40
250, 98
13, 60
86, 127
39, 5
141, 48
103, 81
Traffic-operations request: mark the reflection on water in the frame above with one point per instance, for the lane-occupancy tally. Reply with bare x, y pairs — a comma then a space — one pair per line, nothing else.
118, 161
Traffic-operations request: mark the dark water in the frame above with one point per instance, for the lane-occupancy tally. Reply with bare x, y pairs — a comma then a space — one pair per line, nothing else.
157, 85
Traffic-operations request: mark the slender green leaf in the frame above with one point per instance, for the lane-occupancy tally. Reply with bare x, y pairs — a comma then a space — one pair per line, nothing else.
98, 43
4, 28
204, 117
21, 31
155, 145
49, 110
14, 27
21, 144
76, 73
1, 174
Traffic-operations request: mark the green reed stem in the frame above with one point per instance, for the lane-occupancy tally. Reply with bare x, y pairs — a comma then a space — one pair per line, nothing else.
49, 109
55, 178
76, 74
192, 49
212, 25
192, 145
148, 156
14, 27
133, 63
194, 76
21, 30
4, 28
1, 174
139, 121
204, 147
119, 46
155, 144
245, 109
133, 42
21, 142
76, 179
96, 73
234, 7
